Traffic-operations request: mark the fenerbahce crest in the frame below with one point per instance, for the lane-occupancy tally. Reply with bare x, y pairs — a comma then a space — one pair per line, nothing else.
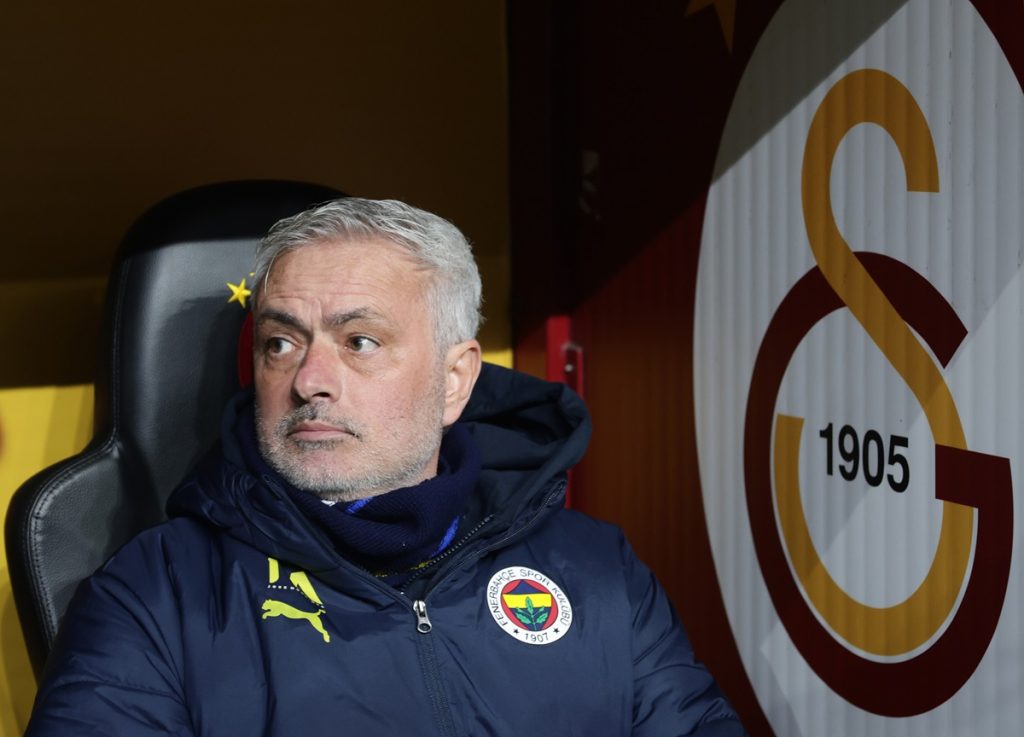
528, 605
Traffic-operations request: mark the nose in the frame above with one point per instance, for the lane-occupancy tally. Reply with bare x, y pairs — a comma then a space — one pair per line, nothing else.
318, 377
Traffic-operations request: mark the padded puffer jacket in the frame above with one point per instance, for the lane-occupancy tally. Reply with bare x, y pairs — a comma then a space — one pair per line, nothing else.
238, 617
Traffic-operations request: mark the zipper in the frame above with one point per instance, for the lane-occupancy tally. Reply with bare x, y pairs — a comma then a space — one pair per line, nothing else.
423, 625
448, 552
431, 670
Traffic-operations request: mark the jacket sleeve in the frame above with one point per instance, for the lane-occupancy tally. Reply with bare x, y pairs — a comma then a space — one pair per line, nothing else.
112, 670
673, 694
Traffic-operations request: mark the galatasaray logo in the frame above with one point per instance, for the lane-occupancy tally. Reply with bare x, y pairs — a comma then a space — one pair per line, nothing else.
857, 435
528, 605
939, 633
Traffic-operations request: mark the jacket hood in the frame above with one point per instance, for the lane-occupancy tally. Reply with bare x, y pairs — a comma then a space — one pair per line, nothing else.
529, 432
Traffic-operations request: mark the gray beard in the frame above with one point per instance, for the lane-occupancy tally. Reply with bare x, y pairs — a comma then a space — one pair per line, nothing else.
290, 457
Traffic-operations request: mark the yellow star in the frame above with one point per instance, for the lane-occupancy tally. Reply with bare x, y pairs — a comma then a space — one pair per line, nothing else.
726, 10
238, 292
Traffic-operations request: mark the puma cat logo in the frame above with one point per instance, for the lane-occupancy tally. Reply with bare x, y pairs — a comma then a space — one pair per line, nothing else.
272, 608
297, 582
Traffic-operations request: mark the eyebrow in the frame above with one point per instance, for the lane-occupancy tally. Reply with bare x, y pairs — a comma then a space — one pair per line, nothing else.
285, 318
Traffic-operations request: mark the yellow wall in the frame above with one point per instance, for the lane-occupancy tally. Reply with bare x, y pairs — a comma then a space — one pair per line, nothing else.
38, 426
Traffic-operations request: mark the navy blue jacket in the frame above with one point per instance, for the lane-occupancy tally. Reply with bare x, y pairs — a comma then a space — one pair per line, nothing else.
238, 617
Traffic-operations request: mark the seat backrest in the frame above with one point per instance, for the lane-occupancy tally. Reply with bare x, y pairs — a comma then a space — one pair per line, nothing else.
167, 368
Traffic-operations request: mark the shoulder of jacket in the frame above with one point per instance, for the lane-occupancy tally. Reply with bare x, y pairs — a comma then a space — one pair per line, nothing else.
176, 531
591, 543
574, 522
177, 541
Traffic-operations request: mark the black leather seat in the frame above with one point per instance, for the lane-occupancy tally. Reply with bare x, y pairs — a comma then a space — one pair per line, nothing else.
167, 367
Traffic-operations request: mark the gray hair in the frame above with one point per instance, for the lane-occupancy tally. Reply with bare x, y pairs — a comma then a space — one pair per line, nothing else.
434, 243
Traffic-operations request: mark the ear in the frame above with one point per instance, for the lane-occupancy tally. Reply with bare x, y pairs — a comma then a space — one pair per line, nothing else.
462, 367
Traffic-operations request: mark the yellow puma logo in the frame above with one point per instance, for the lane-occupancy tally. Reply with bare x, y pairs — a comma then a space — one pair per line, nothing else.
299, 582
273, 608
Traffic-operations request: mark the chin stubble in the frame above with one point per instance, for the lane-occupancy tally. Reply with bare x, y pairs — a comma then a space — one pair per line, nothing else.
382, 471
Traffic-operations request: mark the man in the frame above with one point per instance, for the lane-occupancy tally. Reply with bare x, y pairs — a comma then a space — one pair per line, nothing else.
378, 546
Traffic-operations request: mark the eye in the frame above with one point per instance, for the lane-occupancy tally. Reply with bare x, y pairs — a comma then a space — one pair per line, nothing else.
278, 346
362, 344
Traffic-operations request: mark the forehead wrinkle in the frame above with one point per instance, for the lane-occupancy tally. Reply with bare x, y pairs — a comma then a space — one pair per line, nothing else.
339, 319
335, 320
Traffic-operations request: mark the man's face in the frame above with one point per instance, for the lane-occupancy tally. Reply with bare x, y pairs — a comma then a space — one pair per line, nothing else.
350, 384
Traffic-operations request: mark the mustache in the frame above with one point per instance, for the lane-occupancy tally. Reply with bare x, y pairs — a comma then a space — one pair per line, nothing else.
316, 413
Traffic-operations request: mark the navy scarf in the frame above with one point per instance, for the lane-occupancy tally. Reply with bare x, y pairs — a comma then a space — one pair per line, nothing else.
392, 535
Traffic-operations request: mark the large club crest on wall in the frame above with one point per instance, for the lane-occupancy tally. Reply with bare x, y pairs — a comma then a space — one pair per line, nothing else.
857, 373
